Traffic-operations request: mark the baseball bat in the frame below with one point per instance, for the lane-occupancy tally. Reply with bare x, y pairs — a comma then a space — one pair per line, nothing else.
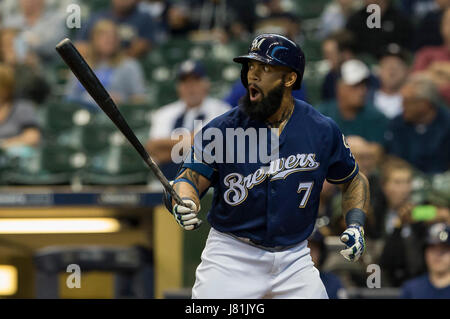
91, 83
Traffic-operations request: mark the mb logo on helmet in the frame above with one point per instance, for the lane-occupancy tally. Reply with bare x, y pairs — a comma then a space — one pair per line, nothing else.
256, 44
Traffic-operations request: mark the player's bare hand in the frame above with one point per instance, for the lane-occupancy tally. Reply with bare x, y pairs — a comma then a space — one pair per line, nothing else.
353, 238
186, 216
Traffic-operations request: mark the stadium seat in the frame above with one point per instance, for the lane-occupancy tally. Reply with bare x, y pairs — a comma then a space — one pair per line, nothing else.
176, 50
97, 5
95, 136
313, 77
59, 116
99, 133
5, 165
57, 73
166, 93
68, 131
131, 268
49, 164
151, 61
306, 9
312, 48
136, 115
116, 165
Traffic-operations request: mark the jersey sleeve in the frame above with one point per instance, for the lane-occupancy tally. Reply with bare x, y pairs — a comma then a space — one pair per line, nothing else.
202, 157
342, 166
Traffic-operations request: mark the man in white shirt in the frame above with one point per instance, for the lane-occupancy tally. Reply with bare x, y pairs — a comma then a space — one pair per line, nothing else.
393, 70
193, 104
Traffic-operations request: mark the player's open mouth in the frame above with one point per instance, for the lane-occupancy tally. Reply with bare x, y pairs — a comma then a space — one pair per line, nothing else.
254, 92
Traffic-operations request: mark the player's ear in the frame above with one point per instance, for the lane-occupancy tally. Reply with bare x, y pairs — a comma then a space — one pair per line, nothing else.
290, 79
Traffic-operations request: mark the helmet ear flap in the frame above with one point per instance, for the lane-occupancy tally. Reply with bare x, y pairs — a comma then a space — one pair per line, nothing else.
244, 72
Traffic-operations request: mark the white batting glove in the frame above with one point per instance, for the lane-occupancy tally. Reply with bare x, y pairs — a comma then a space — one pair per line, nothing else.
186, 217
353, 238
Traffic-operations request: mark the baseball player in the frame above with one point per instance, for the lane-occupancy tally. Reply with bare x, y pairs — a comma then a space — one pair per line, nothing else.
263, 212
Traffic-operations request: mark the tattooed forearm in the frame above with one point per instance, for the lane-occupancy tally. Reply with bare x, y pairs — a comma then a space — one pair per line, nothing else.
194, 177
185, 189
356, 194
177, 187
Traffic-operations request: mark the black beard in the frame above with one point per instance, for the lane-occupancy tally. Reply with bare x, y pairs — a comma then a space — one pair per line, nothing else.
265, 108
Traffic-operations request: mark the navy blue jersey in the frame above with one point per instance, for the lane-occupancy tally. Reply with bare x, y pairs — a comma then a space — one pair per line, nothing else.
271, 202
422, 288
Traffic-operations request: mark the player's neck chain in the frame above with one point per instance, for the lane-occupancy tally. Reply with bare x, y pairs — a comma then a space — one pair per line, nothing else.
280, 124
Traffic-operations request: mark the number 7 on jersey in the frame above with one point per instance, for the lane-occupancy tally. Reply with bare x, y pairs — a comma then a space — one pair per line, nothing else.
306, 187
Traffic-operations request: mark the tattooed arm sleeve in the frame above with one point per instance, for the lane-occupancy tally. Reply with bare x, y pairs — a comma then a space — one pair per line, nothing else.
355, 194
198, 185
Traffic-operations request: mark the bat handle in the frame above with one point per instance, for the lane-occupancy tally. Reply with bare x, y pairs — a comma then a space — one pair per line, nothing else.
167, 186
165, 183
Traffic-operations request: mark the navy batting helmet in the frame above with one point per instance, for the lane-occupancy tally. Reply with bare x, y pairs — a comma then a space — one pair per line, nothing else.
274, 49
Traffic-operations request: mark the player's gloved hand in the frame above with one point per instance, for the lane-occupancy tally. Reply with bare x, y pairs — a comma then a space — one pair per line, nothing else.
353, 238
186, 217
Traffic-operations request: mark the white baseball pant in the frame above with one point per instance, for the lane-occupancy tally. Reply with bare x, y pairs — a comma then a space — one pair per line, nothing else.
232, 269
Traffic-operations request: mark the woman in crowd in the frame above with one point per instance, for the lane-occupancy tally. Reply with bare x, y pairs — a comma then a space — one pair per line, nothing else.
30, 82
121, 75
18, 124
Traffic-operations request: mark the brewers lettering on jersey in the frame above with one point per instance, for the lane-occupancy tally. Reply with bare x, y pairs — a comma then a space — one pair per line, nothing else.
263, 212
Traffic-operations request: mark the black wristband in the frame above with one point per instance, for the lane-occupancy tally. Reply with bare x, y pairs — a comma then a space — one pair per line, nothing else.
355, 216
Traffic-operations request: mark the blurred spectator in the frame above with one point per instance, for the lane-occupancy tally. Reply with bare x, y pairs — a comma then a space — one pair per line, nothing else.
158, 11
30, 83
238, 90
178, 20
214, 19
318, 251
350, 110
241, 18
277, 20
402, 256
394, 28
18, 123
10, 7
427, 32
417, 9
136, 29
121, 75
334, 16
365, 153
368, 156
396, 185
435, 284
193, 104
40, 28
337, 48
393, 70
435, 60
421, 134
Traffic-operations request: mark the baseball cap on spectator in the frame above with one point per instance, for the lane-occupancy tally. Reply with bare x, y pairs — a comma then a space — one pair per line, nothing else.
189, 68
354, 72
393, 49
438, 234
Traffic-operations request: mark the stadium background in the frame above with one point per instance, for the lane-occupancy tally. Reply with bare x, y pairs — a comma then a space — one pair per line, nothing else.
82, 168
